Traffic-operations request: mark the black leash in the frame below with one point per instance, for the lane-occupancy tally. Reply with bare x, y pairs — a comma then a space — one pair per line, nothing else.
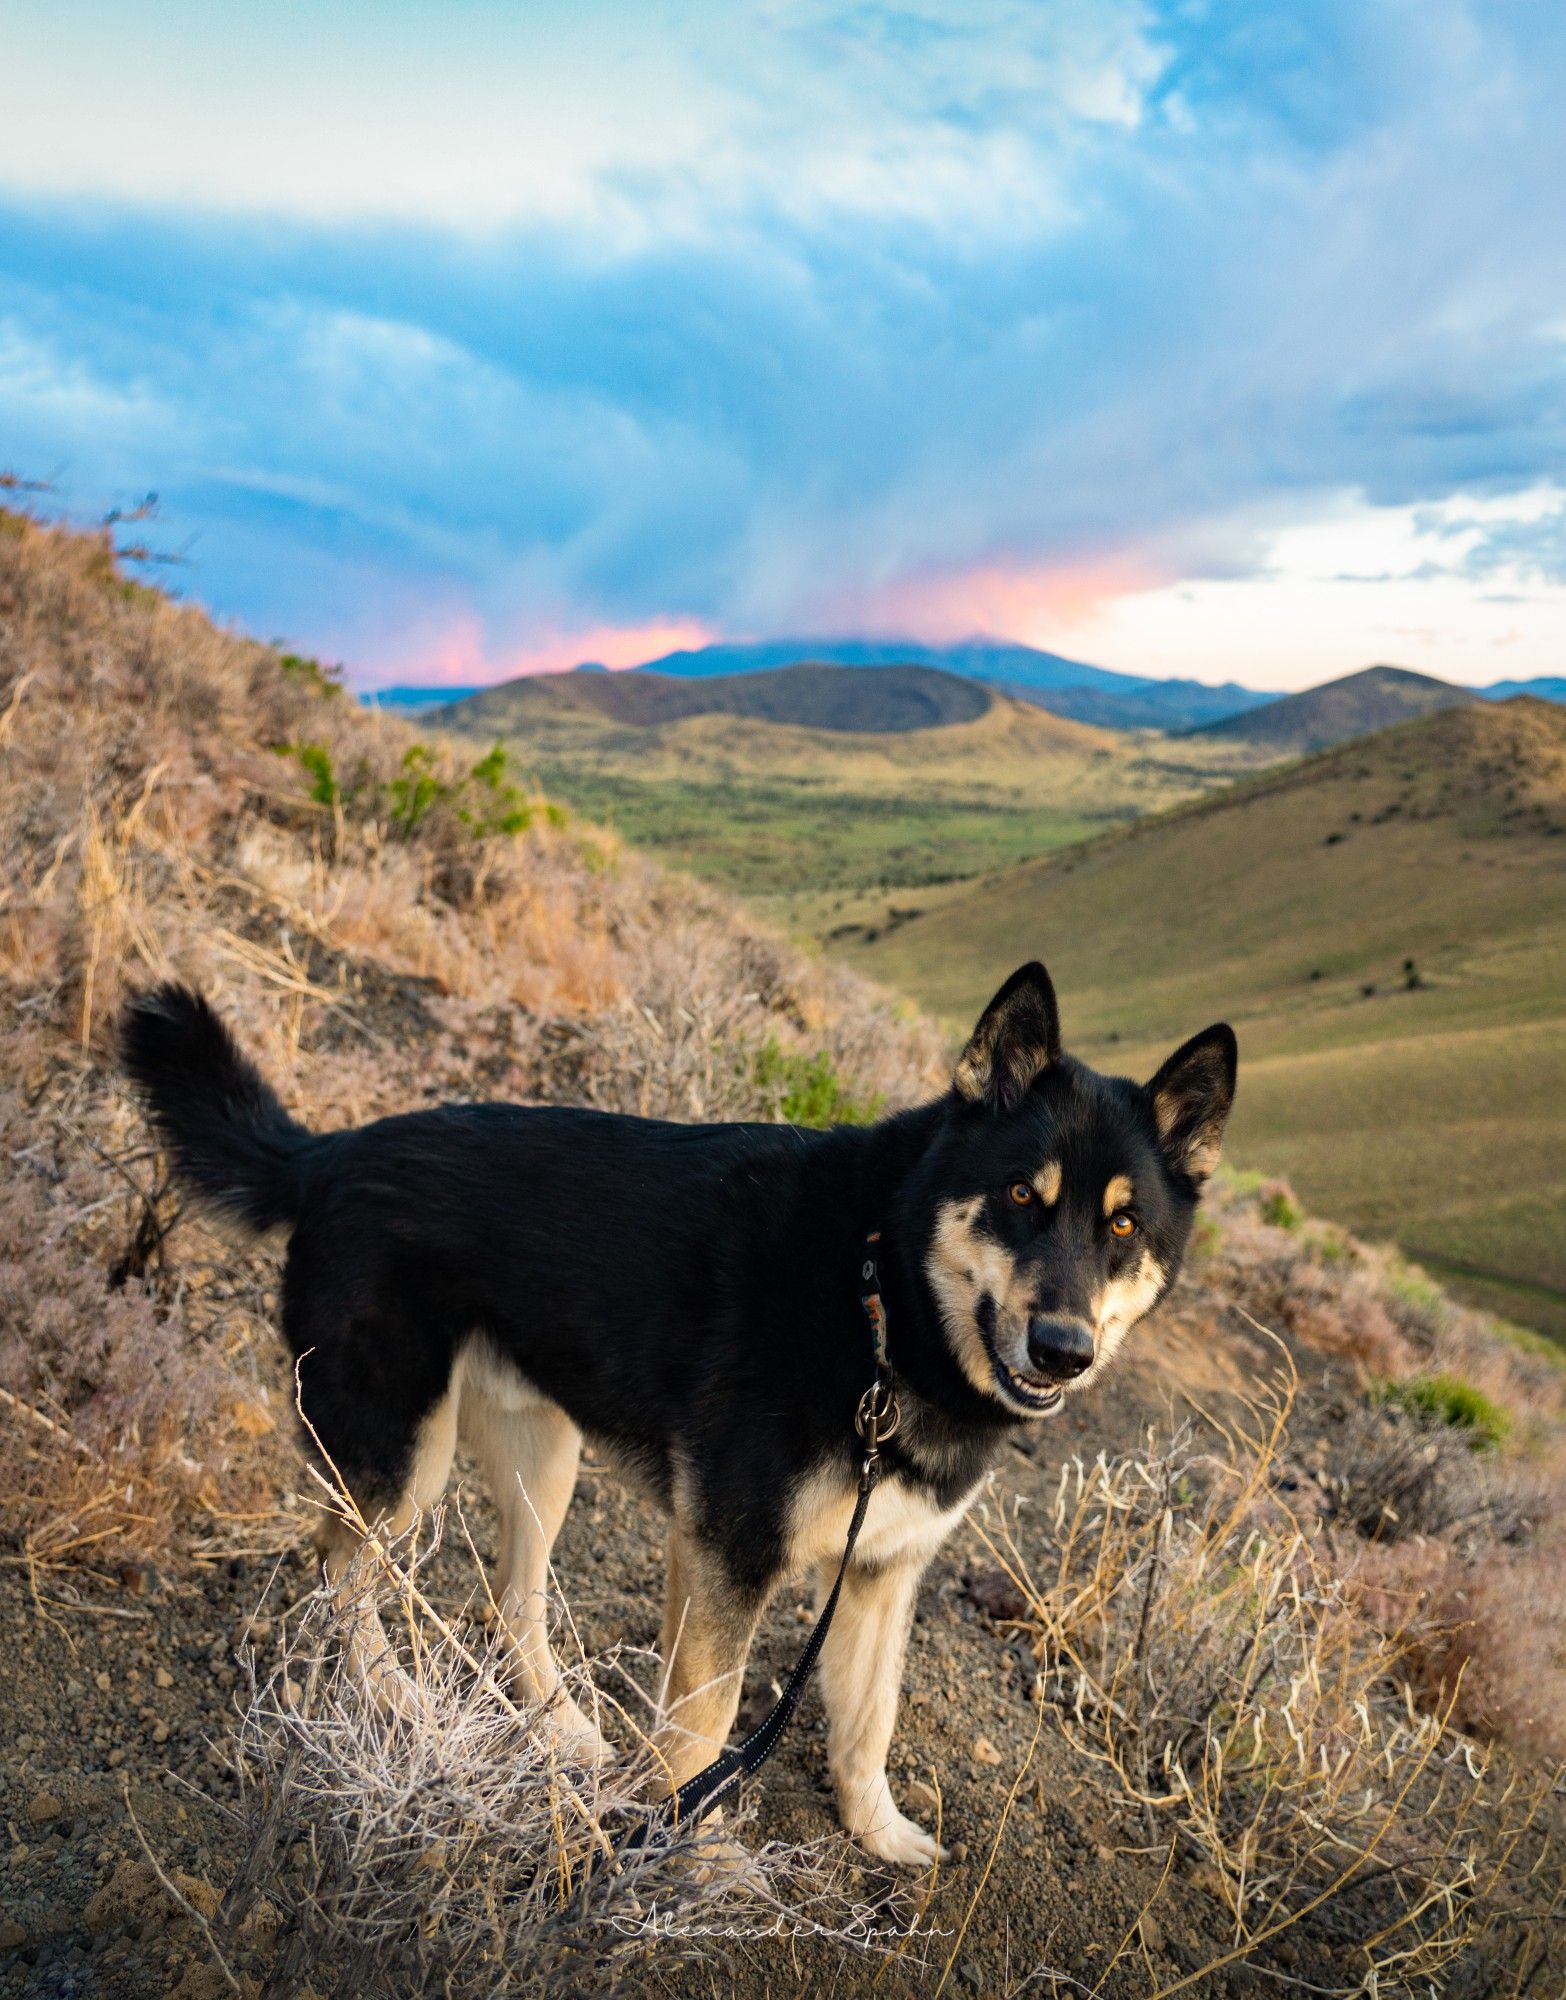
876, 1420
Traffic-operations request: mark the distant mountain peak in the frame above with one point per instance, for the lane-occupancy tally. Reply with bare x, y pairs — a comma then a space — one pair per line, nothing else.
1355, 704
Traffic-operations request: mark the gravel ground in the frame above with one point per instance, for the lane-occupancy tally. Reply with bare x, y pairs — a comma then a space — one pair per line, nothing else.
120, 1697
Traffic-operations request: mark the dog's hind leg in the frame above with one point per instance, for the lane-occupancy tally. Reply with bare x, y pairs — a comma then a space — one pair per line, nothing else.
528, 1451
339, 1541
707, 1630
861, 1671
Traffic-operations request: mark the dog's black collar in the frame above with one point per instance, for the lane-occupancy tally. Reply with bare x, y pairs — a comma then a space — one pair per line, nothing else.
875, 1308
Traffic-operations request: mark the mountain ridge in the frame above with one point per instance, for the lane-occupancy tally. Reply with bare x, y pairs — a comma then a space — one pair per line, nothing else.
1337, 711
1073, 688
874, 700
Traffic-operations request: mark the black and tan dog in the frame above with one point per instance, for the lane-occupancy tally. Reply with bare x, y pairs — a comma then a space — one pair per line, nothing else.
689, 1298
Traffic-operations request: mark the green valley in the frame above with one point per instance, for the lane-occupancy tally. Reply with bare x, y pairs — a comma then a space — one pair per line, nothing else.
819, 826
1385, 924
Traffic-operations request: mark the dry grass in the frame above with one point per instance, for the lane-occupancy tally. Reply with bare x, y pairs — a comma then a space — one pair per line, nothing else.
440, 1847
150, 825
126, 1414
1368, 1305
1462, 1550
1199, 1648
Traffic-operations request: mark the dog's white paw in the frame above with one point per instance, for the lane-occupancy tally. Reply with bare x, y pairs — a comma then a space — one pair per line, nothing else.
577, 1739
716, 1857
874, 1821
389, 1685
901, 1841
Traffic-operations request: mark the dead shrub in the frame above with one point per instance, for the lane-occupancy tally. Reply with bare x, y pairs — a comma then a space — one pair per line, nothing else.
1391, 1476
1198, 1648
439, 1846
1483, 1636
120, 1414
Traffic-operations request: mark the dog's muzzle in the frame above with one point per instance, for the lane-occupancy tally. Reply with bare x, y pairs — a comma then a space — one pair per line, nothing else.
1059, 1349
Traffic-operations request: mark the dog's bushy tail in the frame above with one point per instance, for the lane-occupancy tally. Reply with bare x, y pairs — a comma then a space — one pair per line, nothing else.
230, 1141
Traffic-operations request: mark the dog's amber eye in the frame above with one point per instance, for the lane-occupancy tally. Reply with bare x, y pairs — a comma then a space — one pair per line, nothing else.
1122, 1225
1021, 1193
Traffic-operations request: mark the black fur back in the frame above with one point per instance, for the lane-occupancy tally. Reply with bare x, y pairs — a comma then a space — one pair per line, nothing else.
231, 1142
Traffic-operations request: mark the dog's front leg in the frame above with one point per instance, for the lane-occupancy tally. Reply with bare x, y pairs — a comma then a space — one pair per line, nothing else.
707, 1629
862, 1671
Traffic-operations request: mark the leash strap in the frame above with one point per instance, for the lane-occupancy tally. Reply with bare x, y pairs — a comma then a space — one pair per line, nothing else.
876, 1420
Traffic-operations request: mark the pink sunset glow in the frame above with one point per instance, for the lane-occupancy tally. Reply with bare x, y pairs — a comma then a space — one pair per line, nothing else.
462, 654
1035, 603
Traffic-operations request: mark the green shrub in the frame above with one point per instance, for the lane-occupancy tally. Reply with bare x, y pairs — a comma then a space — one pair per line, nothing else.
324, 681
1410, 1287
1531, 1341
1205, 1236
317, 762
1279, 1208
484, 799
489, 803
416, 791
805, 1090
1448, 1399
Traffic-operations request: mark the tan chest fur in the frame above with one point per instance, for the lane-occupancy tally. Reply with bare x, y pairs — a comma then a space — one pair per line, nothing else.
902, 1522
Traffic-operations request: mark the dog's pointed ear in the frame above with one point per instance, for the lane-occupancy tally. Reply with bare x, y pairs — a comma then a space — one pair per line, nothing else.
1017, 1038
1192, 1096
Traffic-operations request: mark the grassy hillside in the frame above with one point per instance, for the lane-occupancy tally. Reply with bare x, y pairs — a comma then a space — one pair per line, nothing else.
1346, 1529
876, 700
1386, 925
1375, 698
816, 826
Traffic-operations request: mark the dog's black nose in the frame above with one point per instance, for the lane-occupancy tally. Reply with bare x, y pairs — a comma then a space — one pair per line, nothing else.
1060, 1347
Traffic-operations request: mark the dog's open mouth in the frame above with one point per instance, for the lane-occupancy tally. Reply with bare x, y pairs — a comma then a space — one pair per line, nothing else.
1038, 1395
1032, 1391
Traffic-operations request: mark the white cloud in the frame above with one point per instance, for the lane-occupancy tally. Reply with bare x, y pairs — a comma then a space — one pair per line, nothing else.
633, 119
848, 312
1356, 586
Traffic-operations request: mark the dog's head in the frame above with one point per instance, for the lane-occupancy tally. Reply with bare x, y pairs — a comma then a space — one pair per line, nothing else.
1059, 1201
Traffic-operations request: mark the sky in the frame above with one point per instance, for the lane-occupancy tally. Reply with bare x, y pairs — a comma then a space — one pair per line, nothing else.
459, 341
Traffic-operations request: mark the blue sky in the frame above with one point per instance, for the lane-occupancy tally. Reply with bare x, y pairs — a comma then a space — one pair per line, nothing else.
472, 339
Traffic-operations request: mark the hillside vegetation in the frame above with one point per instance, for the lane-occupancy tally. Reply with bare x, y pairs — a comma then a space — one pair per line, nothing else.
1386, 926
1249, 1668
817, 826
1319, 717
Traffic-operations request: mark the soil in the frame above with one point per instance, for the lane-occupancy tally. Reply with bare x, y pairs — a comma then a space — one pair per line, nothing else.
120, 1698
